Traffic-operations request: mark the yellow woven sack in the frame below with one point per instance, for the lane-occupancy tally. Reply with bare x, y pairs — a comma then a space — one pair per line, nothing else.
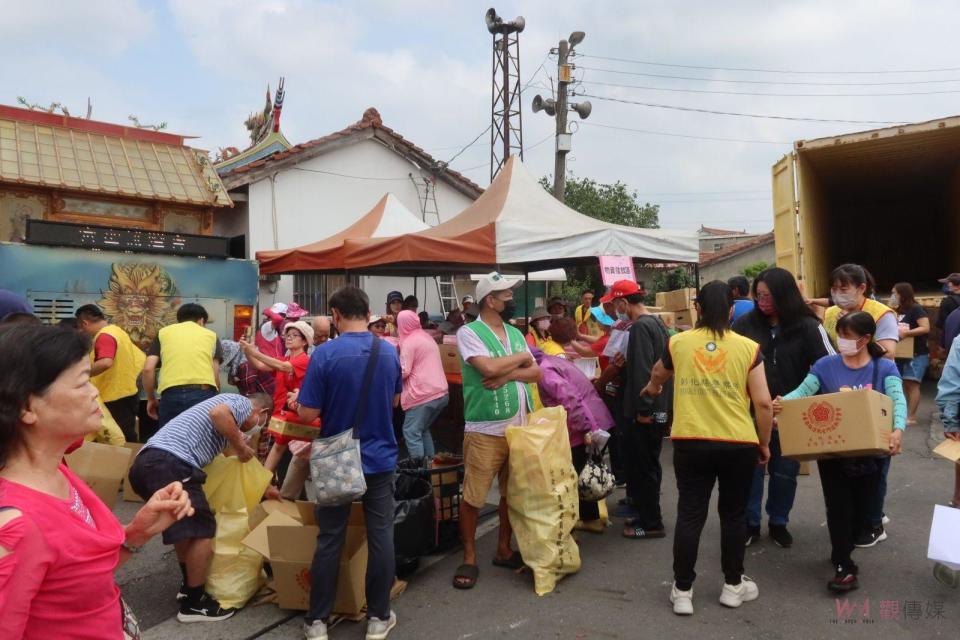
233, 490
542, 496
109, 432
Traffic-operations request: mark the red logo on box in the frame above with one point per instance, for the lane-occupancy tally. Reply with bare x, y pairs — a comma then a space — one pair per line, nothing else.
822, 417
303, 579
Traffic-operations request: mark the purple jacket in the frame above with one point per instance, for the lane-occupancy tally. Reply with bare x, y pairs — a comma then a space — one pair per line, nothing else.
563, 384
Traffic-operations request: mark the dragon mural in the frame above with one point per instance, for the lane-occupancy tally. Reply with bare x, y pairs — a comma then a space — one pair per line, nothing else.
141, 299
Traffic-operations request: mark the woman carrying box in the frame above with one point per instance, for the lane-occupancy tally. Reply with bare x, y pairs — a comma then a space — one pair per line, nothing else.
850, 484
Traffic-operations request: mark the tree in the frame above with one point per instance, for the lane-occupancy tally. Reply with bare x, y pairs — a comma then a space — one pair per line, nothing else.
679, 278
615, 203
751, 271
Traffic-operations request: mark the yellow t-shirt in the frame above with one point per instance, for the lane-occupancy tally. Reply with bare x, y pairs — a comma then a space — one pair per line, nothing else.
710, 398
186, 355
876, 310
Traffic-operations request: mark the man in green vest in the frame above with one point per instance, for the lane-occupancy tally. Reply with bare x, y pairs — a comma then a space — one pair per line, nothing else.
499, 374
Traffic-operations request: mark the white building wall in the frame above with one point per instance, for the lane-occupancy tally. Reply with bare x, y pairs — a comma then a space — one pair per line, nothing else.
309, 203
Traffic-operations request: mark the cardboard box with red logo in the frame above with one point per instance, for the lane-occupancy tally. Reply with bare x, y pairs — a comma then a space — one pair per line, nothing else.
450, 357
836, 425
288, 541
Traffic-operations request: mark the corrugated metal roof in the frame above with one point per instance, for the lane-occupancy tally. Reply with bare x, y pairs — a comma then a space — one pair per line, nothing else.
81, 159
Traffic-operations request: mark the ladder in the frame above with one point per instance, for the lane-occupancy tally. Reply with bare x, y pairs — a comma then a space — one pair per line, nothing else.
447, 292
427, 196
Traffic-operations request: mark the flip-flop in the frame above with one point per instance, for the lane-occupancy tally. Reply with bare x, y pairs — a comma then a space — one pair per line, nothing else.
515, 561
636, 532
466, 576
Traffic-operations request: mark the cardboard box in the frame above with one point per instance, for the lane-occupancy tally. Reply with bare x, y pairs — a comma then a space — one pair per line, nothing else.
129, 495
103, 467
904, 348
450, 357
949, 449
677, 300
669, 318
294, 430
804, 468
288, 544
836, 425
265, 508
685, 318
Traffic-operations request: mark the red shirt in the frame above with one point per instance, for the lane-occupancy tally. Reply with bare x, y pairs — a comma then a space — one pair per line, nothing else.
105, 346
598, 348
58, 581
286, 382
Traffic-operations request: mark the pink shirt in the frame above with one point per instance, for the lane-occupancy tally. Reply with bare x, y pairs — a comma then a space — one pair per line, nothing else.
423, 376
58, 582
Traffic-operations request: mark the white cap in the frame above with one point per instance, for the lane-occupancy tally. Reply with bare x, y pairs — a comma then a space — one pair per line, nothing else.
491, 282
374, 319
280, 308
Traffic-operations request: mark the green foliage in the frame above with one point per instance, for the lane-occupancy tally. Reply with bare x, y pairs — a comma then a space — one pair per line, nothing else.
614, 203
753, 270
679, 278
571, 289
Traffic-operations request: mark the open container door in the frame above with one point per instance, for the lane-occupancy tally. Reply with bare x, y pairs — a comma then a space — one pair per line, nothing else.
786, 241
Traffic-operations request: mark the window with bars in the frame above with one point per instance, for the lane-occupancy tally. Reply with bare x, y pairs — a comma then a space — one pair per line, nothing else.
312, 290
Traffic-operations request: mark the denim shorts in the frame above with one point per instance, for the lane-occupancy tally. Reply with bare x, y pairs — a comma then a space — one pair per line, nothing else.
914, 369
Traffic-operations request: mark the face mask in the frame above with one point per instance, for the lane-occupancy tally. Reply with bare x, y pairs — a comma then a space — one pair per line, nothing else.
622, 316
844, 300
255, 429
509, 309
766, 306
847, 347
946, 288
542, 325
894, 300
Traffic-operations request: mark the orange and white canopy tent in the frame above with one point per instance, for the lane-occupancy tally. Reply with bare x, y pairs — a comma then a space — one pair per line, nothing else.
387, 218
514, 226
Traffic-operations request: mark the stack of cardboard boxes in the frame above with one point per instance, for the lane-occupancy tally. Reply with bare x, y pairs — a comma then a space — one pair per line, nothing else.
677, 310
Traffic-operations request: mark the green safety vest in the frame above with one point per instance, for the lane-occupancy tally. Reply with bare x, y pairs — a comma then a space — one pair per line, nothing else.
484, 405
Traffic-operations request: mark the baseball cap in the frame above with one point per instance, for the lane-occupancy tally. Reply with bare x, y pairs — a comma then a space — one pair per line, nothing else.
467, 299
374, 319
953, 278
622, 289
493, 282
394, 296
279, 307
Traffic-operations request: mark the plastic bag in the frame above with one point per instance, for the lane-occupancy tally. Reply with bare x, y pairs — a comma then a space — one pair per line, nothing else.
233, 490
542, 497
413, 522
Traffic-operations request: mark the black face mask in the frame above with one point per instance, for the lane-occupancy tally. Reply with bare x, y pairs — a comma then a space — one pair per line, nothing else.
509, 310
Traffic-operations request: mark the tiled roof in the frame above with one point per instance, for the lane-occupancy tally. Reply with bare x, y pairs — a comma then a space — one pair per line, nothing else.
370, 122
710, 231
733, 249
45, 149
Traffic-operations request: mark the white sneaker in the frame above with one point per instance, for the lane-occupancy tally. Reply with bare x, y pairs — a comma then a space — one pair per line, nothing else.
734, 596
378, 629
315, 631
886, 520
682, 601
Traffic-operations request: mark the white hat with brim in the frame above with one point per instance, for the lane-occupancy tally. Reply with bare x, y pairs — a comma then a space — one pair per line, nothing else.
493, 282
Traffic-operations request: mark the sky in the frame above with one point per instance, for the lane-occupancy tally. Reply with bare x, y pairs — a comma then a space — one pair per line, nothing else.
203, 66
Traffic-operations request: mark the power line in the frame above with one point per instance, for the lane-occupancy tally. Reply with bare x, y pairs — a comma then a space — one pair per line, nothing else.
470, 144
752, 70
732, 113
780, 95
789, 82
699, 193
487, 164
682, 135
712, 201
344, 175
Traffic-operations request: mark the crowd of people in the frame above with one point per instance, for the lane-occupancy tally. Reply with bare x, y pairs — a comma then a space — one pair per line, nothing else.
626, 381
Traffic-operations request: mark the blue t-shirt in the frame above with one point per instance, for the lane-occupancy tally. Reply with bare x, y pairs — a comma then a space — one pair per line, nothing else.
333, 383
741, 307
836, 376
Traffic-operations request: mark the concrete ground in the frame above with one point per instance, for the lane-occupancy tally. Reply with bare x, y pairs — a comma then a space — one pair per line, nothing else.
622, 588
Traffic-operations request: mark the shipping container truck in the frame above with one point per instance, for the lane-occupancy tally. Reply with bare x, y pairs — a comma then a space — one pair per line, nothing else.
888, 199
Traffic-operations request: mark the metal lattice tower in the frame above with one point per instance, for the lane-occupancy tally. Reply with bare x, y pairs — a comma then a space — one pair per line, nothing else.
506, 122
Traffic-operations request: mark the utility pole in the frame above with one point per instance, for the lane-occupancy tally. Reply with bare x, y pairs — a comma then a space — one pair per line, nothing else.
559, 107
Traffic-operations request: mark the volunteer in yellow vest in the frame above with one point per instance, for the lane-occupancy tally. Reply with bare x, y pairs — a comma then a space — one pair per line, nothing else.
715, 440
188, 356
116, 365
851, 288
538, 334
499, 374
586, 323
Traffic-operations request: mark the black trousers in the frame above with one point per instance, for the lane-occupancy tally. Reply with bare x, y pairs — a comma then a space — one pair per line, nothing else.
588, 510
698, 468
615, 443
849, 493
124, 411
642, 444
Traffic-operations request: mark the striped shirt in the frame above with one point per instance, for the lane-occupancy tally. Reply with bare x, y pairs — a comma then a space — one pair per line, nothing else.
192, 437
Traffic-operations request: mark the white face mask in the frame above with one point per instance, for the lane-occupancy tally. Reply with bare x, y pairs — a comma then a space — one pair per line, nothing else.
894, 300
847, 347
543, 325
257, 428
844, 300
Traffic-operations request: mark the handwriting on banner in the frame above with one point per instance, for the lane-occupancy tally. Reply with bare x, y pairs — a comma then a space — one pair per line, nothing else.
614, 268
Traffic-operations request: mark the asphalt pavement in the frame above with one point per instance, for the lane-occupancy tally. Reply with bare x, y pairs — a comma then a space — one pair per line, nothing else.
622, 588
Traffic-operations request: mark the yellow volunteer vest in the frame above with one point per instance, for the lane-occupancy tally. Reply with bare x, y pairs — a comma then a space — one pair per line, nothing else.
120, 380
186, 355
710, 399
550, 347
582, 315
830, 318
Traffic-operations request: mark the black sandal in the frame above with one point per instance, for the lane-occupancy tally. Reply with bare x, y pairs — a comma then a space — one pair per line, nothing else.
635, 532
466, 576
515, 561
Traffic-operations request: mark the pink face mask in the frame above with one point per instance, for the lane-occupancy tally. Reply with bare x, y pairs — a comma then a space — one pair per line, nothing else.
766, 306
